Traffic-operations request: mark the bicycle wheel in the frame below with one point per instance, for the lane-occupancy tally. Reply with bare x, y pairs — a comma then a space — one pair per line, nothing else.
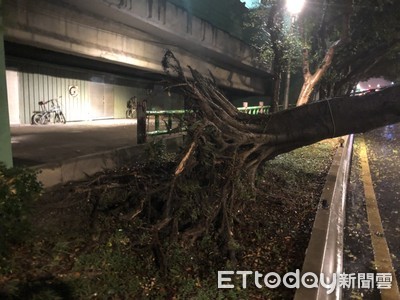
35, 120
62, 118
57, 118
44, 119
133, 113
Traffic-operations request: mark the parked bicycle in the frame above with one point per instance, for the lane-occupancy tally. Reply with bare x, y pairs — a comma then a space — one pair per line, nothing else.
50, 110
131, 105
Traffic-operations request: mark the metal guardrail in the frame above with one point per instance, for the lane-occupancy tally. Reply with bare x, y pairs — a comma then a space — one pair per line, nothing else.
254, 110
169, 117
324, 253
172, 121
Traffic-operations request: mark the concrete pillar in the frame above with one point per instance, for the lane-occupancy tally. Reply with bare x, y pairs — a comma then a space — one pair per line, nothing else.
141, 121
5, 133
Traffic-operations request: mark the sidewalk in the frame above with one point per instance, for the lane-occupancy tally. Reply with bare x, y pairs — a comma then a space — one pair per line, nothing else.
73, 151
34, 145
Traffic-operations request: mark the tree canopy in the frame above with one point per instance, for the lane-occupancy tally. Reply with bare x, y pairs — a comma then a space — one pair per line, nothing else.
342, 41
373, 46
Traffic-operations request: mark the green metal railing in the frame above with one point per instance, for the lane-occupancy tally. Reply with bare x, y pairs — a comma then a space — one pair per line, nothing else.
254, 110
169, 118
171, 121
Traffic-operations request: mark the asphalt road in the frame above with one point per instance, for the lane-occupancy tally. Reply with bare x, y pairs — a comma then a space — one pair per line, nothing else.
383, 148
383, 152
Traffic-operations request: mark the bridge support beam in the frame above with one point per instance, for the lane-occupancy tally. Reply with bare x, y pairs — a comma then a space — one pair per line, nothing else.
5, 132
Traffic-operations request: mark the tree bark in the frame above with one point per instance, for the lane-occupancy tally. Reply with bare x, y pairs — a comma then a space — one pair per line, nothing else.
274, 29
311, 80
334, 117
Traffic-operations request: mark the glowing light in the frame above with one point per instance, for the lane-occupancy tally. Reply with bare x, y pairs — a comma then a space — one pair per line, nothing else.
294, 6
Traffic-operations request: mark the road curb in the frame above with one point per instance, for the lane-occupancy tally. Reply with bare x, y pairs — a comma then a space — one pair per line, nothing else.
79, 168
324, 254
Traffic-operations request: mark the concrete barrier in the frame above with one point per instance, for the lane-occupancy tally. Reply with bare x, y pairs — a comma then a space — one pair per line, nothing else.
79, 168
324, 254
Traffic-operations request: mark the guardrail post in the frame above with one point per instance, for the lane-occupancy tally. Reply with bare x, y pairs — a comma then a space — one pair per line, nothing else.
141, 121
157, 122
324, 253
245, 105
169, 122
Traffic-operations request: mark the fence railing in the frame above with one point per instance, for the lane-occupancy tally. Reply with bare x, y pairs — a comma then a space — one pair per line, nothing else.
165, 121
154, 123
254, 110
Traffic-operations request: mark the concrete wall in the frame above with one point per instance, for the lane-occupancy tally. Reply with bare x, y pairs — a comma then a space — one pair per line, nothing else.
136, 34
35, 82
98, 96
13, 96
39, 86
227, 15
121, 95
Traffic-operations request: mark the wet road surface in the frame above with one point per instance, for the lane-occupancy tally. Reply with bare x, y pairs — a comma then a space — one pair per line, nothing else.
383, 152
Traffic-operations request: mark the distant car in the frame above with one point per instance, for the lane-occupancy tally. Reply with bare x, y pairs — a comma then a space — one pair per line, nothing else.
370, 91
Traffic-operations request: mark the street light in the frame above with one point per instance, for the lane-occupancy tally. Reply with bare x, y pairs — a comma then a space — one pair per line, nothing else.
294, 7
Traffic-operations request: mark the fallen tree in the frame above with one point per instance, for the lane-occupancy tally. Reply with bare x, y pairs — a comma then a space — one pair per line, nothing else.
253, 139
225, 148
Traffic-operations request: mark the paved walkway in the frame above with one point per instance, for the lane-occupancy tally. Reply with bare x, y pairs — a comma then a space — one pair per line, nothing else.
73, 151
372, 233
36, 145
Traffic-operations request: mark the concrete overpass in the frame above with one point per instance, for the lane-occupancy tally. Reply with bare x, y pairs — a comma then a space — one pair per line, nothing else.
125, 37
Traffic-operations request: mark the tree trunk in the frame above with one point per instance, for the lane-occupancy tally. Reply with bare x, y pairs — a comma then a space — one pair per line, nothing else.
276, 96
311, 80
274, 27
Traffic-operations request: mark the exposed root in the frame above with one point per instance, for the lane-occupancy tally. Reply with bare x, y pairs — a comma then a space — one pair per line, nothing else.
181, 165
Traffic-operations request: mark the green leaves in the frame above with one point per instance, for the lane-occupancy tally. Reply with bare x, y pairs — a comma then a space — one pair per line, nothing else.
18, 188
